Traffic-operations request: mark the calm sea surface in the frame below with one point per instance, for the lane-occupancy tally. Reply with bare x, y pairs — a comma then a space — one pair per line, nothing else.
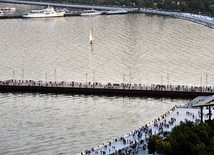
132, 48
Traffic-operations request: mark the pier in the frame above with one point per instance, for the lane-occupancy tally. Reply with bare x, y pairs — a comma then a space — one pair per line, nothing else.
171, 91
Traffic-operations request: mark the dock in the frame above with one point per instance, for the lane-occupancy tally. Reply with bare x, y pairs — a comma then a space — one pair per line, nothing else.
74, 13
171, 91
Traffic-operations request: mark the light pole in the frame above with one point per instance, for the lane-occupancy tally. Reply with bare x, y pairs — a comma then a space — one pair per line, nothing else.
86, 79
13, 75
123, 81
167, 79
23, 75
93, 78
161, 80
55, 75
46, 74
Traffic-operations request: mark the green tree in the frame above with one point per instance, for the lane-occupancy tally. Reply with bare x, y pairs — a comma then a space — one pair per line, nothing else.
183, 6
152, 142
187, 138
163, 147
211, 9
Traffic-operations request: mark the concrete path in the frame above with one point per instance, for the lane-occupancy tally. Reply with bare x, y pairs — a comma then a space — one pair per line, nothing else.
177, 115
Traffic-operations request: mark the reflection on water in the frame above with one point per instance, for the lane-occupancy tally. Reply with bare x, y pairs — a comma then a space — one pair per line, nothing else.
91, 47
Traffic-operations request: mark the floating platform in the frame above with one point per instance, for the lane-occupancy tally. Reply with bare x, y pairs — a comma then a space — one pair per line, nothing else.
20, 16
10, 16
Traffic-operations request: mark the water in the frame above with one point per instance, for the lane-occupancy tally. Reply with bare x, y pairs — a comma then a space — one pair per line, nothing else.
132, 48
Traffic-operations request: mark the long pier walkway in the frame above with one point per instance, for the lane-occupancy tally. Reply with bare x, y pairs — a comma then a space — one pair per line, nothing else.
173, 91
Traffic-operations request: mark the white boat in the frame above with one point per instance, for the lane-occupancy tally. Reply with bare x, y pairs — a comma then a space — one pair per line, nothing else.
91, 37
1, 13
90, 12
46, 12
112, 12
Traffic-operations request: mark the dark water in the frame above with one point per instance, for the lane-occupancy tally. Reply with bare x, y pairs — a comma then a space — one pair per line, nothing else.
132, 48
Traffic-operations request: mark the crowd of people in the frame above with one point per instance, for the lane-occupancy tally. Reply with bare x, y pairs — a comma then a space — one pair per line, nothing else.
204, 20
135, 140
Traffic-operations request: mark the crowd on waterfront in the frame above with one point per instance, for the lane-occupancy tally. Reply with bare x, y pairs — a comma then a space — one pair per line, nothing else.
136, 140
204, 20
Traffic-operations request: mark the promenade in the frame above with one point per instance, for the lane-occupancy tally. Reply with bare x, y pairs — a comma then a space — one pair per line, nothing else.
200, 19
122, 89
135, 141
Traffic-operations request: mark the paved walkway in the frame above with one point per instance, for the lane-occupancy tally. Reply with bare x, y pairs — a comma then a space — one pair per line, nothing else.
200, 19
172, 118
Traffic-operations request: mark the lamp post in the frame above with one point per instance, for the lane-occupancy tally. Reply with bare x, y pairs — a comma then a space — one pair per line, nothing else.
55, 75
13, 75
161, 80
23, 75
167, 79
46, 74
123, 82
93, 78
86, 79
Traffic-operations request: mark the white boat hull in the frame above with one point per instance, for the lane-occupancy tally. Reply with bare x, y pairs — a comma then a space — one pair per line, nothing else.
8, 9
115, 12
42, 15
45, 13
89, 14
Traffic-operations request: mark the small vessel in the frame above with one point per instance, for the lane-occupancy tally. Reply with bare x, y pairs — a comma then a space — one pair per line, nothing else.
46, 12
91, 37
113, 12
1, 13
8, 9
90, 12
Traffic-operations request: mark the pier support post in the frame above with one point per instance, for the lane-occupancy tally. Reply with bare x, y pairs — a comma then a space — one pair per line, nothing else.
210, 114
201, 114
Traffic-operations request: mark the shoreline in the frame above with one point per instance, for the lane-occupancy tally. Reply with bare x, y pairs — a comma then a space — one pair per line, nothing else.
200, 19
135, 141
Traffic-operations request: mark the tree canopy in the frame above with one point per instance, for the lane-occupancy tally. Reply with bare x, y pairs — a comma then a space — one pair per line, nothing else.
193, 6
187, 138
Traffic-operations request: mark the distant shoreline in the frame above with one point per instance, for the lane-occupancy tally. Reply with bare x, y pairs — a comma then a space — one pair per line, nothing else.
200, 19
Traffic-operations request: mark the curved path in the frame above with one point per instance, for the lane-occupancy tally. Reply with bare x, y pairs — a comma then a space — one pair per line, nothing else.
164, 123
204, 20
